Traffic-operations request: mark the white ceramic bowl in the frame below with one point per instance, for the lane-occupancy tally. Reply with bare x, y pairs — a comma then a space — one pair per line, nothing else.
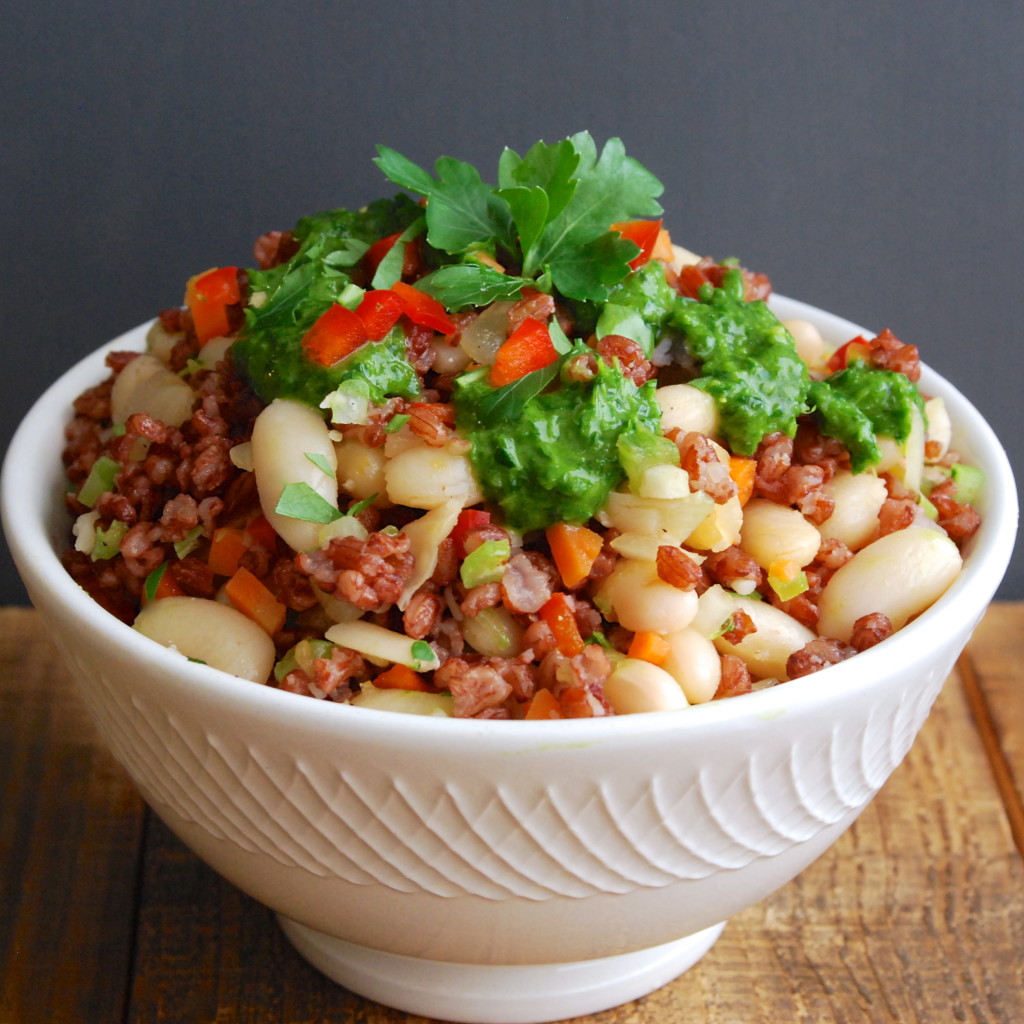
499, 871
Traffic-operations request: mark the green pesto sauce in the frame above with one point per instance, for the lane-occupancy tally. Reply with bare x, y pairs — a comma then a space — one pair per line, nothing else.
858, 402
269, 352
749, 365
551, 456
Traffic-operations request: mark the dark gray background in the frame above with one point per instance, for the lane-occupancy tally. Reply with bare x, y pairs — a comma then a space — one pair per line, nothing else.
867, 156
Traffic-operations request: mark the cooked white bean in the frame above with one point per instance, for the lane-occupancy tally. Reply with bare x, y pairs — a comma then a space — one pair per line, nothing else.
776, 636
687, 408
425, 535
211, 632
426, 477
694, 664
858, 499
674, 518
810, 346
448, 358
412, 702
640, 599
719, 530
636, 686
382, 645
146, 385
360, 469
939, 431
160, 342
899, 575
777, 533
285, 436
683, 258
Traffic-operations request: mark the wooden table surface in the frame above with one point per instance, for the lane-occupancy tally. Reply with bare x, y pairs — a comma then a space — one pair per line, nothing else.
915, 915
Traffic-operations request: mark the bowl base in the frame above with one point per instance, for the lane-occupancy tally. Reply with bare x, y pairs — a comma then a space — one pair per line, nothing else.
486, 994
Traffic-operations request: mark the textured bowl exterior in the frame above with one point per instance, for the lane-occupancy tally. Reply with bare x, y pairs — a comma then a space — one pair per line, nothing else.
499, 842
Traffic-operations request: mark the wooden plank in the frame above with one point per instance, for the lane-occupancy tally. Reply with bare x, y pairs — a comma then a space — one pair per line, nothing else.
69, 842
993, 667
915, 916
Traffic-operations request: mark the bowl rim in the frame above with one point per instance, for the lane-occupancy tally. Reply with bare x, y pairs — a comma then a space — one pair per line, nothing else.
26, 494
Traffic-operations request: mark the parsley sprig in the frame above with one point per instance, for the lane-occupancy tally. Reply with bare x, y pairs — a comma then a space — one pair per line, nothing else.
548, 221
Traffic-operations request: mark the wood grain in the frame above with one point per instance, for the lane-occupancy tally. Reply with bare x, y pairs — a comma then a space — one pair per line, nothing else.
69, 844
916, 915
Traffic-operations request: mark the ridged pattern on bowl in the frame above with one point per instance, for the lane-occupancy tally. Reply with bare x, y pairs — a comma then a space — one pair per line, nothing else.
524, 837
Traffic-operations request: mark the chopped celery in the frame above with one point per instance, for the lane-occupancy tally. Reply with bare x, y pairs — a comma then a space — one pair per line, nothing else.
968, 480
100, 479
641, 450
108, 541
486, 563
787, 589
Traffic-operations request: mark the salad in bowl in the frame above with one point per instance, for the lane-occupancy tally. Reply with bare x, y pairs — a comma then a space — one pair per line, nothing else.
510, 452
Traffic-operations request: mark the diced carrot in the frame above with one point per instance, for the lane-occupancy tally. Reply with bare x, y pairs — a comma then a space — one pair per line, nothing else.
166, 584
529, 347
251, 597
784, 570
401, 677
574, 549
558, 614
663, 247
544, 705
648, 646
227, 545
743, 472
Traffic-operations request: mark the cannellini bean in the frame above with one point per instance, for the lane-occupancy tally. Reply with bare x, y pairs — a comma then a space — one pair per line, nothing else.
414, 702
160, 341
146, 385
426, 477
425, 535
683, 258
694, 664
858, 499
899, 575
810, 346
360, 469
383, 645
636, 686
284, 435
776, 636
905, 460
940, 427
721, 529
640, 599
777, 533
687, 408
674, 518
211, 632
448, 358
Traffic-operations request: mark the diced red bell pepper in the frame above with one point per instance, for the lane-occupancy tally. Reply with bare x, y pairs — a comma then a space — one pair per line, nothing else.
423, 309
208, 297
410, 258
527, 348
335, 335
469, 519
379, 311
642, 233
558, 614
858, 348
